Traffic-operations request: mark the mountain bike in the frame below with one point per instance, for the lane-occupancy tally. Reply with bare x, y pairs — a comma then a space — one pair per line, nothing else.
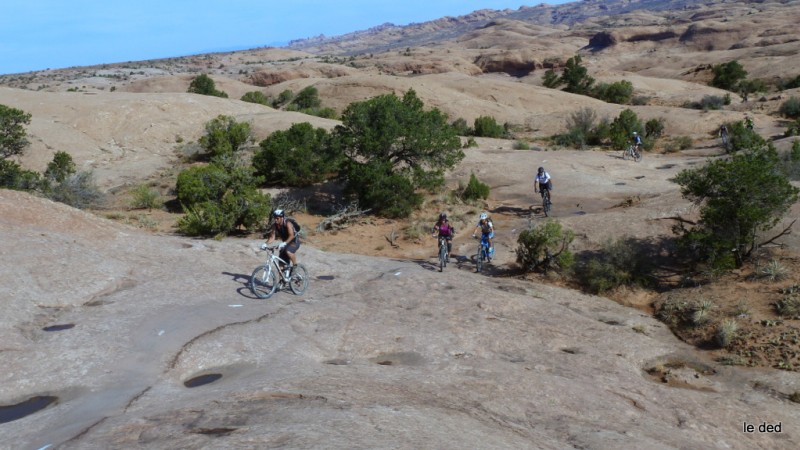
546, 204
632, 153
276, 274
482, 257
443, 254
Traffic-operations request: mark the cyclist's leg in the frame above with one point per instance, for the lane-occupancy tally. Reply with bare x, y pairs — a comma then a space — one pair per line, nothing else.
289, 251
449, 244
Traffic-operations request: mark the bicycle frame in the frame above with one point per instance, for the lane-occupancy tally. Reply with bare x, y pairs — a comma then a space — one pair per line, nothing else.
269, 277
483, 252
443, 257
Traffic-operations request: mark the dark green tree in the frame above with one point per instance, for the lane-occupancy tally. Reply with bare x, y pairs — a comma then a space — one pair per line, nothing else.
623, 127
748, 87
60, 167
13, 138
551, 79
224, 135
283, 98
740, 137
221, 197
475, 190
13, 176
299, 156
204, 85
728, 75
307, 98
741, 196
576, 77
389, 137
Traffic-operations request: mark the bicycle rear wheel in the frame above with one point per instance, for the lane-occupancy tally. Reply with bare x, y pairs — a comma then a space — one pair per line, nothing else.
264, 282
442, 256
299, 280
637, 155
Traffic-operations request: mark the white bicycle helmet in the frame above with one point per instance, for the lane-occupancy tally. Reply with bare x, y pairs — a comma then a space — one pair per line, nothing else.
484, 216
635, 133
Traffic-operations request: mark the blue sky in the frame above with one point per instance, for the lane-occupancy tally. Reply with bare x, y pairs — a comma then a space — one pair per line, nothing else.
53, 34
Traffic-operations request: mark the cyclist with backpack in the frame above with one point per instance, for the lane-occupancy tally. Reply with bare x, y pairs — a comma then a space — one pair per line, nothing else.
444, 230
636, 140
543, 182
487, 231
286, 230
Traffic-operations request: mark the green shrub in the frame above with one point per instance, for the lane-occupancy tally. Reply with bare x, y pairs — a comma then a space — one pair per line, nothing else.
299, 156
201, 184
206, 219
307, 98
623, 127
521, 145
475, 190
618, 263
545, 247
728, 75
654, 128
377, 187
13, 176
486, 126
461, 128
224, 135
619, 92
789, 305
741, 138
255, 97
730, 221
726, 332
143, 197
13, 140
284, 98
77, 190
550, 79
392, 148
793, 129
791, 108
60, 167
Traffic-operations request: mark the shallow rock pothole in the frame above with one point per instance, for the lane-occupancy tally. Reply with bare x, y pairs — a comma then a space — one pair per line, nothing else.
9, 413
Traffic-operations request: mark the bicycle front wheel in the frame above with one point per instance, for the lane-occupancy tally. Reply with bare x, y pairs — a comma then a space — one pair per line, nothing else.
627, 153
264, 282
546, 204
299, 280
442, 257
479, 260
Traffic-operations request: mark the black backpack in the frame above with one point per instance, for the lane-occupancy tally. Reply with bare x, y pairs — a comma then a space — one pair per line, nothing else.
296, 228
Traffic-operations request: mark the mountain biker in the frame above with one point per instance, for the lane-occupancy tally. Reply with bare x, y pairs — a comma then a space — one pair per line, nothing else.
487, 231
445, 230
748, 123
636, 140
543, 182
282, 229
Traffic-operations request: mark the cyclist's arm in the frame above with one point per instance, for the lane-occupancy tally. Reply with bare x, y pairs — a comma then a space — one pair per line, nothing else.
271, 235
290, 228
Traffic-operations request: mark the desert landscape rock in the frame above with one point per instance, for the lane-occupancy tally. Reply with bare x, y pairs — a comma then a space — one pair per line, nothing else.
383, 350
